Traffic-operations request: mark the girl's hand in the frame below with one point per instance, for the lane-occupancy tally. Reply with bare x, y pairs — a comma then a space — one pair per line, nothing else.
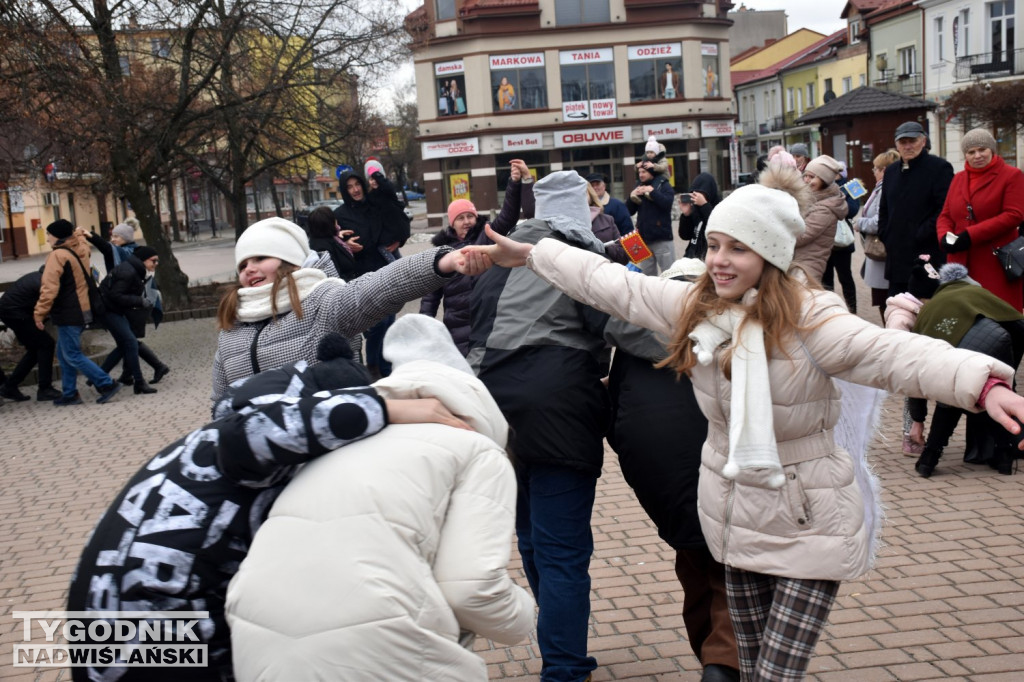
504, 251
917, 432
422, 411
698, 198
1003, 405
468, 260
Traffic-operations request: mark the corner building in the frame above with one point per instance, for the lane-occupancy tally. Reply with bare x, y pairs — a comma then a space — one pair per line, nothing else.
568, 85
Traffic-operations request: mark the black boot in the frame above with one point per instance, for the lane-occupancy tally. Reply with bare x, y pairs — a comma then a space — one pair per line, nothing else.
143, 387
927, 461
126, 379
159, 373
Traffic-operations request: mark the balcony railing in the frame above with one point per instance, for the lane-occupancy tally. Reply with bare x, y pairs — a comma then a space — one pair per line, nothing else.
990, 65
770, 126
903, 84
748, 128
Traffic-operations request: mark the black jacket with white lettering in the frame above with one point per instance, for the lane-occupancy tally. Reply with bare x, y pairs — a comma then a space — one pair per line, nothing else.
175, 535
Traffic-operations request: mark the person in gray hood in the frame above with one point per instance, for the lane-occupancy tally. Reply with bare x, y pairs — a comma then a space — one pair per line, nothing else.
537, 351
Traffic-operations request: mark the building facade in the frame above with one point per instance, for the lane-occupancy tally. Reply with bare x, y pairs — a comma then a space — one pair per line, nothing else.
568, 85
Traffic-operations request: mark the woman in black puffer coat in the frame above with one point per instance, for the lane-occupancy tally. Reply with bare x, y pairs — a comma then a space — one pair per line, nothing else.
466, 226
127, 312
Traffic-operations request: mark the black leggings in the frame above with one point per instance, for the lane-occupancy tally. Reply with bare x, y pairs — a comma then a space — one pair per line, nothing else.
840, 261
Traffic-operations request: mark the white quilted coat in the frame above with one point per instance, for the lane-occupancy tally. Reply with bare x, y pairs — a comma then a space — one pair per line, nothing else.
814, 526
376, 556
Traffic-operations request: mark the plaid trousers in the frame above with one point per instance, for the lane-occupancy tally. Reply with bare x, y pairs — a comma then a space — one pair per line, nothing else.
778, 622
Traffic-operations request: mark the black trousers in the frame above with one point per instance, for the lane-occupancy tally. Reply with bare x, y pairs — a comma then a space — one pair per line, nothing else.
39, 347
840, 262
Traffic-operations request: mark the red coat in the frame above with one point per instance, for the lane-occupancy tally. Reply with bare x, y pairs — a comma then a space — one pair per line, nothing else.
996, 195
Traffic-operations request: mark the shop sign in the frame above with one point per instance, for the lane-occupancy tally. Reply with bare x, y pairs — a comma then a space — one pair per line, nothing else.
603, 108
576, 111
591, 55
665, 131
717, 128
654, 51
443, 149
517, 61
592, 136
521, 141
447, 68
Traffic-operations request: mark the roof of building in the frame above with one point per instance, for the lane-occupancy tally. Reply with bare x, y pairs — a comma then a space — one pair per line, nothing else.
862, 7
776, 50
742, 77
889, 9
864, 100
471, 6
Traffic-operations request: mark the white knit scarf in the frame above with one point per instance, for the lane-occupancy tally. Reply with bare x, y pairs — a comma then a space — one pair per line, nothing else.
753, 454
254, 302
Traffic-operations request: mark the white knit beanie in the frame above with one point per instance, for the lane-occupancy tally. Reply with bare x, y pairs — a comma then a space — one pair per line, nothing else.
274, 238
767, 220
652, 145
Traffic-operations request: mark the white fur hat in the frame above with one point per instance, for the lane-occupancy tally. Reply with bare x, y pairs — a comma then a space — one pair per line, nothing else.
273, 237
767, 220
652, 145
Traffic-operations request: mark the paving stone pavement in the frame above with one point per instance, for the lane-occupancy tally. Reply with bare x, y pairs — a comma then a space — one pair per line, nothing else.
945, 602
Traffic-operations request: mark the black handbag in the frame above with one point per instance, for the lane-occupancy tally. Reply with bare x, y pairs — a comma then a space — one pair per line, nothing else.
1011, 259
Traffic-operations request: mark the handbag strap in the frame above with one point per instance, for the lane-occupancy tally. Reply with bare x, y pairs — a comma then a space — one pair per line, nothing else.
89, 281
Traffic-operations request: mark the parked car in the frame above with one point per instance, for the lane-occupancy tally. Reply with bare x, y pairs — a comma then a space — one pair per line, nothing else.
302, 214
412, 195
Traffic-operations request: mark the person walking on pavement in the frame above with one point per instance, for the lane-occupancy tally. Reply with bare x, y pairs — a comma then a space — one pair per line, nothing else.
374, 215
64, 297
16, 310
913, 194
127, 310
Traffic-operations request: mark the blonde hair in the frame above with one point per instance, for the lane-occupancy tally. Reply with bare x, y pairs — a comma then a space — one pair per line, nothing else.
592, 198
886, 159
778, 307
227, 309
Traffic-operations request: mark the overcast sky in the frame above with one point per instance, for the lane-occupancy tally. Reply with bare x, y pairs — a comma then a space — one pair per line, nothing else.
817, 15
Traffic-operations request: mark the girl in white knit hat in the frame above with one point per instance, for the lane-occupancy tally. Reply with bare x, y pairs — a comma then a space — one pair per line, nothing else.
285, 302
788, 511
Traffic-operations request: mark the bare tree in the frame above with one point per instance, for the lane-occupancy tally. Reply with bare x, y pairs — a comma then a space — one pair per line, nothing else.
994, 105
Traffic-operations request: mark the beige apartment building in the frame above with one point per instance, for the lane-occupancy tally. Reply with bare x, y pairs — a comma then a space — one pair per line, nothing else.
568, 85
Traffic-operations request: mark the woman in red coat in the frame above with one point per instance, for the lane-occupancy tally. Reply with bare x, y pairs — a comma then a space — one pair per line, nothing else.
983, 209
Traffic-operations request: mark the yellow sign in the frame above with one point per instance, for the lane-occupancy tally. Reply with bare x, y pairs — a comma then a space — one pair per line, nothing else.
458, 184
671, 170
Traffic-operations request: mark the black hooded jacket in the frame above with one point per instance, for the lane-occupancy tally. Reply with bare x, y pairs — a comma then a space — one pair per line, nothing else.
692, 227
378, 219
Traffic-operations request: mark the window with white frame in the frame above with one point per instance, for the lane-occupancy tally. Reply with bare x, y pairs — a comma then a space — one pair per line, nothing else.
799, 101
571, 12
940, 40
810, 96
908, 60
1001, 29
854, 30
863, 80
444, 10
961, 40
847, 84
789, 99
828, 86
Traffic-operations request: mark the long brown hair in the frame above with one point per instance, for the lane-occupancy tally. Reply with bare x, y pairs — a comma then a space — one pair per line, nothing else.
227, 310
778, 307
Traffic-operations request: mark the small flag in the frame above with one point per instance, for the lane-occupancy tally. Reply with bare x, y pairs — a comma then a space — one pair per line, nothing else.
635, 248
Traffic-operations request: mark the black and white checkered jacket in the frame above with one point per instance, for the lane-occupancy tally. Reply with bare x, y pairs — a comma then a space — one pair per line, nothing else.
348, 308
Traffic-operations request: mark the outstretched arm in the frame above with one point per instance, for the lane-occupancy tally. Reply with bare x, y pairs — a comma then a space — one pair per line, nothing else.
1007, 408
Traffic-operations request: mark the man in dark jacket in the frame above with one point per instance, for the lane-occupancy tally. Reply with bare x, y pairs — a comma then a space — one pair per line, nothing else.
652, 201
16, 306
913, 192
612, 206
64, 297
537, 352
127, 311
373, 212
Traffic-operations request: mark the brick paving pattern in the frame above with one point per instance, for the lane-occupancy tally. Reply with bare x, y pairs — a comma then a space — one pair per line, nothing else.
945, 602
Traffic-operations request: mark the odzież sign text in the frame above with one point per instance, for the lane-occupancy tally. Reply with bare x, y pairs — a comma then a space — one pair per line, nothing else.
443, 149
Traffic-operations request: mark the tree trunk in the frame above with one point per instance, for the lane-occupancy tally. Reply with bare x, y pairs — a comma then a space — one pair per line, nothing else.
172, 205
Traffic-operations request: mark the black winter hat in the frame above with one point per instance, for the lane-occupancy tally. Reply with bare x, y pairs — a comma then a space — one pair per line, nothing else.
924, 280
61, 229
144, 253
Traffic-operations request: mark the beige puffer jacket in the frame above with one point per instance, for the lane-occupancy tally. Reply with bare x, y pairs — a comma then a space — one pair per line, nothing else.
813, 527
814, 246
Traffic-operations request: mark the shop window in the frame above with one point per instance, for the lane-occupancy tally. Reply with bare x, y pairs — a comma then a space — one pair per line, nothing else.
655, 72
709, 69
572, 12
450, 86
588, 84
518, 82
